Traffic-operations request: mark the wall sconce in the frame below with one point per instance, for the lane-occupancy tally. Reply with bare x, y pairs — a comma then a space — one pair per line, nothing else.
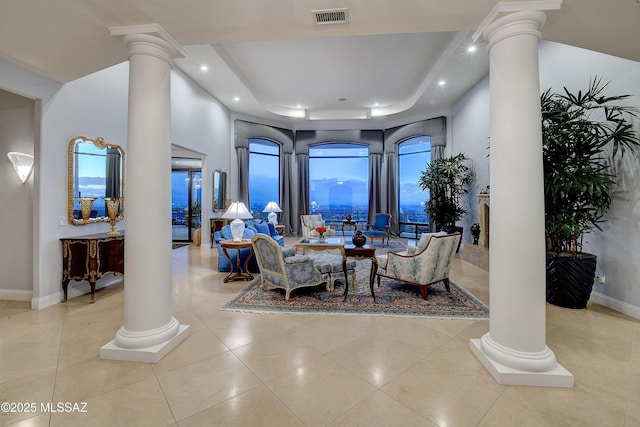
22, 163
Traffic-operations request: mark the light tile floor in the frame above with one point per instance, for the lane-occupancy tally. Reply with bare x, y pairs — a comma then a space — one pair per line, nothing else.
240, 369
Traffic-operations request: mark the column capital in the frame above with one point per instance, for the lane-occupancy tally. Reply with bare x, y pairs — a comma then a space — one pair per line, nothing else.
520, 9
149, 39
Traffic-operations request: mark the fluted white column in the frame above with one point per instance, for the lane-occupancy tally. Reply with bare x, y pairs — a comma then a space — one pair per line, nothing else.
149, 331
514, 350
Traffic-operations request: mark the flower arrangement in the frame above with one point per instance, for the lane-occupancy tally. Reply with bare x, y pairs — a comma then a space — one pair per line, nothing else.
321, 231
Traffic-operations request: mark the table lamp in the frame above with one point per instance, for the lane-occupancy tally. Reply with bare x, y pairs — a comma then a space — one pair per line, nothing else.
272, 208
237, 211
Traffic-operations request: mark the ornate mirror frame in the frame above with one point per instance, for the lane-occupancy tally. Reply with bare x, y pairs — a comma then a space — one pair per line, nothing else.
99, 184
219, 191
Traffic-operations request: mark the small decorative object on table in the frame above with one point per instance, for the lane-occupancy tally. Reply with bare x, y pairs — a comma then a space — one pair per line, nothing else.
348, 217
113, 207
86, 204
359, 239
321, 231
475, 232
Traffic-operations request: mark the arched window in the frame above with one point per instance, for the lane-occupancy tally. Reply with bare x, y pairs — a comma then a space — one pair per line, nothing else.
264, 175
339, 181
413, 156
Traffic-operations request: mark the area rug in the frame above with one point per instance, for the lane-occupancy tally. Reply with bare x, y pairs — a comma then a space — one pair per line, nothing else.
178, 245
393, 299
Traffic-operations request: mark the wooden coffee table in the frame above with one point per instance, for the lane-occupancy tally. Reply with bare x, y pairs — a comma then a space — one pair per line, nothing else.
237, 273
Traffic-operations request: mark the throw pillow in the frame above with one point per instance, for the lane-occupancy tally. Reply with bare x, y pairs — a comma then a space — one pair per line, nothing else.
272, 229
263, 228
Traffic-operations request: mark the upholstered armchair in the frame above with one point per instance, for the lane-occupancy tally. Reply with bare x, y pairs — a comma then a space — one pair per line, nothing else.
426, 264
286, 272
311, 222
380, 229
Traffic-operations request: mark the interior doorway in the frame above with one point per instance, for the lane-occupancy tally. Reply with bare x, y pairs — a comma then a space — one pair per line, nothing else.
186, 198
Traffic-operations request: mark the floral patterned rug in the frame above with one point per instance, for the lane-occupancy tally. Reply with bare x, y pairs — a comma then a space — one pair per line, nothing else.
393, 299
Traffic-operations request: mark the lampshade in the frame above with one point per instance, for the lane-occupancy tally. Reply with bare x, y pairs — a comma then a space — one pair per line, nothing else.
237, 211
22, 163
272, 207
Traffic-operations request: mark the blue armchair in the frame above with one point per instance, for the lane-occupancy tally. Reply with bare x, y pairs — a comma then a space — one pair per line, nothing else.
252, 228
380, 229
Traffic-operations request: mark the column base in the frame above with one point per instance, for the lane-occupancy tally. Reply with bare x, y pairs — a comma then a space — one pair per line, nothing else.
152, 354
556, 377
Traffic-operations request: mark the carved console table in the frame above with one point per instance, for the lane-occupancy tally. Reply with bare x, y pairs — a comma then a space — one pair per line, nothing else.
91, 257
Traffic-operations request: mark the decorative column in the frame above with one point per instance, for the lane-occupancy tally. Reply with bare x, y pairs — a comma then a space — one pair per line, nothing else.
514, 350
149, 331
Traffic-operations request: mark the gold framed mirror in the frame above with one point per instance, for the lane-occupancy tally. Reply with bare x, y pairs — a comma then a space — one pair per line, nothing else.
219, 197
96, 173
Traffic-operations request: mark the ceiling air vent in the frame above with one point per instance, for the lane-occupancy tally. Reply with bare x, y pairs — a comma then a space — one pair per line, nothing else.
331, 16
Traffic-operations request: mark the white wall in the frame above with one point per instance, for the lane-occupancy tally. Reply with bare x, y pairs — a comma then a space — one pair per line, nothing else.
202, 124
470, 135
619, 243
17, 133
96, 105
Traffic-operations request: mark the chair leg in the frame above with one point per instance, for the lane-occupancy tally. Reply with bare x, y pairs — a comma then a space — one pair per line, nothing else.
423, 292
446, 284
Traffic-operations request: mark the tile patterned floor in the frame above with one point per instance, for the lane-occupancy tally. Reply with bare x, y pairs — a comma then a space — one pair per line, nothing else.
239, 369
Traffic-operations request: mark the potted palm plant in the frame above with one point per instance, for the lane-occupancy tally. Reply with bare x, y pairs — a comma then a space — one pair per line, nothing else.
448, 180
583, 133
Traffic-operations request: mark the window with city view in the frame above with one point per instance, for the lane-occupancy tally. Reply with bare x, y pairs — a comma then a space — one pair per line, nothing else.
339, 181
413, 156
264, 175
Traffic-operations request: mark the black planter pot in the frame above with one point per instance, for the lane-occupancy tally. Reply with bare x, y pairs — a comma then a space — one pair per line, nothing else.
570, 279
453, 229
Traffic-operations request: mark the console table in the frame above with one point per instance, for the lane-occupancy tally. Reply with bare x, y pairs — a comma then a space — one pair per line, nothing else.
91, 257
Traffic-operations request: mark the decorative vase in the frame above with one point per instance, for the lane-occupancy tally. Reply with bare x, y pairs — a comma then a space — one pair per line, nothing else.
321, 237
359, 239
113, 206
86, 204
475, 232
348, 217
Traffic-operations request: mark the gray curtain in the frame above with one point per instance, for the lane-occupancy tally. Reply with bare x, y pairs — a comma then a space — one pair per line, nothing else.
242, 153
375, 185
302, 161
286, 194
113, 173
390, 188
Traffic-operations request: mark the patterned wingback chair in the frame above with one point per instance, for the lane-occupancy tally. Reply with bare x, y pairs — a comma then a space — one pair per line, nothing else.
311, 222
287, 272
430, 264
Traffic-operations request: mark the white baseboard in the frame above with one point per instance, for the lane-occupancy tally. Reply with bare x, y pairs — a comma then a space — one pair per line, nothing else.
15, 295
617, 305
44, 302
75, 289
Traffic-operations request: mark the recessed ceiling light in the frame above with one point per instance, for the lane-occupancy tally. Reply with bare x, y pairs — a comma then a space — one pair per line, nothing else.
298, 106
376, 104
204, 68
471, 48
441, 83
235, 98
